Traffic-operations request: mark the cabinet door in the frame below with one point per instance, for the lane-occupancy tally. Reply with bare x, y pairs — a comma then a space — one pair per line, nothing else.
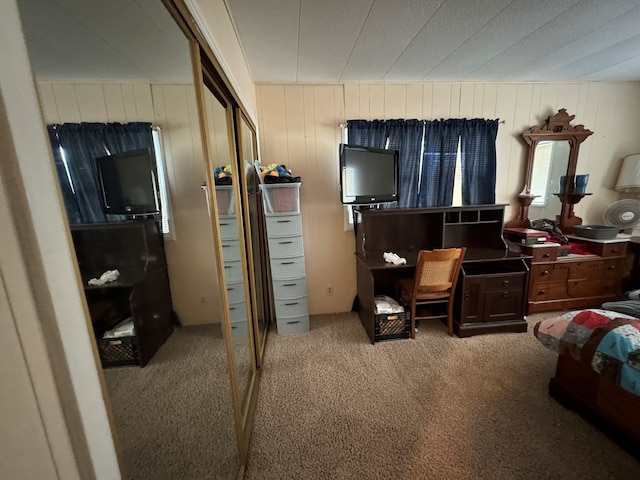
503, 305
471, 301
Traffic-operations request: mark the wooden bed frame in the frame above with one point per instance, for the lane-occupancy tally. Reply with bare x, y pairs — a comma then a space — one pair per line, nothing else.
599, 400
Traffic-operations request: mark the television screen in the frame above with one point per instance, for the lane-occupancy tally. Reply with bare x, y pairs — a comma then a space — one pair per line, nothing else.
368, 175
128, 183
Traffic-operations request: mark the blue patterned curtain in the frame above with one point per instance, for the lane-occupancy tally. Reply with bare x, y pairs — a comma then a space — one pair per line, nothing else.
367, 133
82, 142
406, 136
439, 162
478, 160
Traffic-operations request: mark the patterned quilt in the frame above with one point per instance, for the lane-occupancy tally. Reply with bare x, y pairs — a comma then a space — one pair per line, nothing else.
608, 341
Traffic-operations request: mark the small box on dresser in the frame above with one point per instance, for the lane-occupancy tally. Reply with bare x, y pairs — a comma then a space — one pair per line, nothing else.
286, 255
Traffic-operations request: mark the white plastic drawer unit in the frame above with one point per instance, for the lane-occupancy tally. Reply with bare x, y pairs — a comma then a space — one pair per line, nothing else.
293, 325
292, 267
283, 247
230, 250
291, 307
283, 225
289, 288
228, 228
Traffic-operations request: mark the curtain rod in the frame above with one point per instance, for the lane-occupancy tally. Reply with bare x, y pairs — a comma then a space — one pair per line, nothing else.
344, 125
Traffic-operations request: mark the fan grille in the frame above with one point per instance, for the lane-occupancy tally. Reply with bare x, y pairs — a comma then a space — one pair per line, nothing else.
622, 214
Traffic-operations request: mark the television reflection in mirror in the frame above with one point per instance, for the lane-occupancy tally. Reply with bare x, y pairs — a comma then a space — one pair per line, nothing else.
128, 183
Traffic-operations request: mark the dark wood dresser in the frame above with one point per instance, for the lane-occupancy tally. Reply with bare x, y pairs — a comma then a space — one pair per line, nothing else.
576, 281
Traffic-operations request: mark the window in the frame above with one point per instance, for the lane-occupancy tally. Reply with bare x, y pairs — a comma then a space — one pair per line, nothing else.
165, 206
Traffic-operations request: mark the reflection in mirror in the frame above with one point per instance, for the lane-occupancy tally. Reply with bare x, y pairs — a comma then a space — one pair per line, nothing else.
228, 214
173, 417
248, 155
550, 163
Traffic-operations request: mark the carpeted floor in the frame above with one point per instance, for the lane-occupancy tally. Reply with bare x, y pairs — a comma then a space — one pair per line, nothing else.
331, 405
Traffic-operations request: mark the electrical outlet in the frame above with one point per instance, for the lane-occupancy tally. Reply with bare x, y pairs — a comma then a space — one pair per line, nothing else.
329, 290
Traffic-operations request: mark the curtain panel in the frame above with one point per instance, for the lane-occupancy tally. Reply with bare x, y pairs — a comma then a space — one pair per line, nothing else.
81, 144
428, 153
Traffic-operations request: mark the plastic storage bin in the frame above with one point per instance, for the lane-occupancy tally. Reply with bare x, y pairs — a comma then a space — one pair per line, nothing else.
281, 197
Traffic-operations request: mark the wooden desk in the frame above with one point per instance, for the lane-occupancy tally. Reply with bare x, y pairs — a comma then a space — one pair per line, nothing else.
490, 295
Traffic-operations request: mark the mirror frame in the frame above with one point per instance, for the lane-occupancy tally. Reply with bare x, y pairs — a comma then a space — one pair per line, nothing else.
556, 127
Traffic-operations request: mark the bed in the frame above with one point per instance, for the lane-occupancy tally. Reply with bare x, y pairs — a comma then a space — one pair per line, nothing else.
598, 369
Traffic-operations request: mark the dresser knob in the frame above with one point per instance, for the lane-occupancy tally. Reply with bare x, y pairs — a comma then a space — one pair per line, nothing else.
505, 283
546, 255
505, 294
541, 292
546, 272
612, 267
466, 295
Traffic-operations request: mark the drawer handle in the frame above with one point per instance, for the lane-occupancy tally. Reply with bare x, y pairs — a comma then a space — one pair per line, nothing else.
225, 246
505, 283
284, 243
232, 308
505, 294
612, 267
289, 284
466, 295
228, 266
230, 288
546, 272
546, 255
224, 224
291, 323
541, 292
289, 304
287, 263
283, 221
614, 250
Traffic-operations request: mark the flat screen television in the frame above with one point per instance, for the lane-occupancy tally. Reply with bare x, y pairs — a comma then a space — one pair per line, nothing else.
128, 183
368, 175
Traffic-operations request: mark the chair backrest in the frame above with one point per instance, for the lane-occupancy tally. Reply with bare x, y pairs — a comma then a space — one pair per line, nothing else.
437, 270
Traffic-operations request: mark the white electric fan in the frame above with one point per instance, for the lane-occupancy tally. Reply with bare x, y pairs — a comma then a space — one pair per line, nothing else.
623, 214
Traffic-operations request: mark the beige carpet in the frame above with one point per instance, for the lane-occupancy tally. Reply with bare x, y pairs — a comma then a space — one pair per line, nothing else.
332, 405
174, 417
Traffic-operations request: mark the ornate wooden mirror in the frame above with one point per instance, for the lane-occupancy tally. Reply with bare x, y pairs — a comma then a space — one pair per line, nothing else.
550, 175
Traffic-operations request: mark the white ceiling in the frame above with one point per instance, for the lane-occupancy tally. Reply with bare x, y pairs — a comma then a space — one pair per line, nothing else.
339, 41
110, 40
336, 41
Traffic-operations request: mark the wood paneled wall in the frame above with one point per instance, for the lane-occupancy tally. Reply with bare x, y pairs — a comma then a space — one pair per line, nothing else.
298, 127
190, 254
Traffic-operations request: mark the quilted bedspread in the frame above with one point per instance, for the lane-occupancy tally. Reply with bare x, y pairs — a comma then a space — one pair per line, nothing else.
609, 341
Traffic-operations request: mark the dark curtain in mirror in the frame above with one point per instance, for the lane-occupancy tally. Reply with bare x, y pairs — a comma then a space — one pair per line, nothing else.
75, 146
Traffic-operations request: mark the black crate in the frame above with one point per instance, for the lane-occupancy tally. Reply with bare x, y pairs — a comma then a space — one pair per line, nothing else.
117, 352
390, 326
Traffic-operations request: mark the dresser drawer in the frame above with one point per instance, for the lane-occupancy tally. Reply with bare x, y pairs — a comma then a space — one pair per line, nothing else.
614, 249
230, 250
587, 269
237, 311
282, 268
284, 247
239, 330
235, 292
233, 271
541, 254
291, 307
290, 288
549, 273
614, 267
293, 325
284, 225
547, 291
228, 228
505, 281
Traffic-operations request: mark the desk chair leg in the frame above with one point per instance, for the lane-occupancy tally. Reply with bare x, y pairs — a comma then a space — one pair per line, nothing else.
450, 318
413, 321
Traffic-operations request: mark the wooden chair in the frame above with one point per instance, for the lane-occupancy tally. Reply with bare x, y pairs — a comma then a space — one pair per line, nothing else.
430, 293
